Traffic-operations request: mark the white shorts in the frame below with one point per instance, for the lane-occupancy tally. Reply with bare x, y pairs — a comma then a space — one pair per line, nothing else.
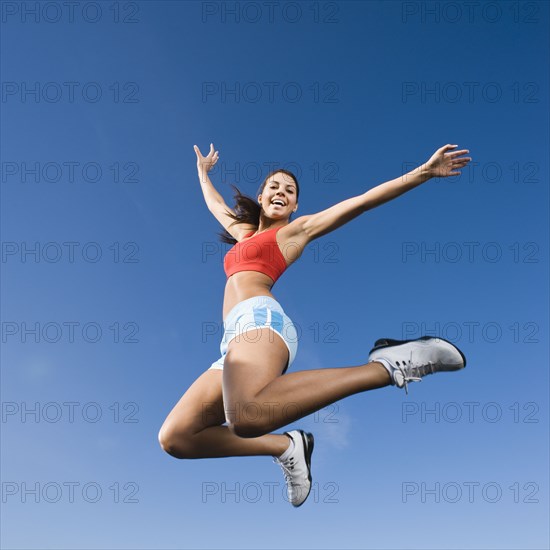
252, 314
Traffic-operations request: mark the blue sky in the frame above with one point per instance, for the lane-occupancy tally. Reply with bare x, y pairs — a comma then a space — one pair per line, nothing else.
101, 107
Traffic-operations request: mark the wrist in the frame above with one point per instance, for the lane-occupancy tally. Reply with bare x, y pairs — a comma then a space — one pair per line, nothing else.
425, 172
202, 171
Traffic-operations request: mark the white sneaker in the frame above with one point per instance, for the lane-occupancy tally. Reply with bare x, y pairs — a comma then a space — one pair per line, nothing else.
409, 360
297, 467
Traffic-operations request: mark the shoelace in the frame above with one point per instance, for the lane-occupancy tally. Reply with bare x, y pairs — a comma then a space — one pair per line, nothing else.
286, 469
413, 368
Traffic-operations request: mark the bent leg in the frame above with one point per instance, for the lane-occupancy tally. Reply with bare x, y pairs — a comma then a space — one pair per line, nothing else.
259, 400
194, 429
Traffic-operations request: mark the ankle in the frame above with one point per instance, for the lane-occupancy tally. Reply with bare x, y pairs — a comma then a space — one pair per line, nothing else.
285, 442
383, 369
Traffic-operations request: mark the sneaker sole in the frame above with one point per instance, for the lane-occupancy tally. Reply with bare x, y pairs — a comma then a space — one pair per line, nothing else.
309, 442
388, 342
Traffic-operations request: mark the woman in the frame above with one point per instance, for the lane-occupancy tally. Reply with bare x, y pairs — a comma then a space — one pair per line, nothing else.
246, 387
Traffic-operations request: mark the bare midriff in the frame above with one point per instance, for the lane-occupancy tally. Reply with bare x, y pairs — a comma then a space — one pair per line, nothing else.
247, 284
243, 285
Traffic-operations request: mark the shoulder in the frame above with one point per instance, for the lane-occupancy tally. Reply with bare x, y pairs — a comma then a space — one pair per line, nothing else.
294, 229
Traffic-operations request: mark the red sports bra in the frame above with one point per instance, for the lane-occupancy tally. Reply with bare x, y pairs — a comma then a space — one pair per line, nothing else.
260, 253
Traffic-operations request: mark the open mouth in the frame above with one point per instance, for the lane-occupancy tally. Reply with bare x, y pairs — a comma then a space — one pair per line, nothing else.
278, 202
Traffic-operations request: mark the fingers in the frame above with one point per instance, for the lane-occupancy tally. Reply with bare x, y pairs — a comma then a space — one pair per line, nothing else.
456, 165
449, 163
454, 154
212, 155
445, 147
462, 162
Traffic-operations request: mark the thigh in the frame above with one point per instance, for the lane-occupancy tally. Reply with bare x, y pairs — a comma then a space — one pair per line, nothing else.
253, 360
200, 406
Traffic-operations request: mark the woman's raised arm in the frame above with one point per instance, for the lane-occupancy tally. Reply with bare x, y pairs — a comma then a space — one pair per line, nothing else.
204, 165
214, 200
441, 164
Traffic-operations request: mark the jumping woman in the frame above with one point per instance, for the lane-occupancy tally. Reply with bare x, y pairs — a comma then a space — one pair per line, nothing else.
247, 387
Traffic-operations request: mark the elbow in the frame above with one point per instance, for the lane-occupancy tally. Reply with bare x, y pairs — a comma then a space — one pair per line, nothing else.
368, 202
372, 202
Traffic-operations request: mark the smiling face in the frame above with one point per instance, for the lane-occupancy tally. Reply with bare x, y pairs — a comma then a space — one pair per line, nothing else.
279, 196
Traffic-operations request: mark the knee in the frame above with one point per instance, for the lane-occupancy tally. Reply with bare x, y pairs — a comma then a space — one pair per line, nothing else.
175, 444
167, 442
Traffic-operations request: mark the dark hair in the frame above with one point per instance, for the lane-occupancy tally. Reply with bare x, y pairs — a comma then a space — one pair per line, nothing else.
247, 210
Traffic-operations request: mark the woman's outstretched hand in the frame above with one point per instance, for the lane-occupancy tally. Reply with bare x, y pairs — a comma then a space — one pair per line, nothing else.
206, 163
445, 163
